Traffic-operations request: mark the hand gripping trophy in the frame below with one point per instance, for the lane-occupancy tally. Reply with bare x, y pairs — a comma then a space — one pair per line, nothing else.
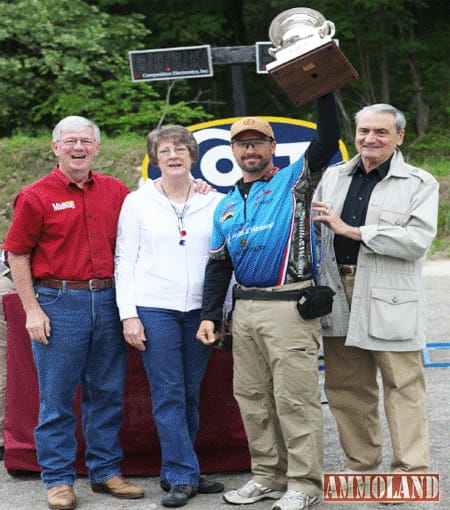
308, 63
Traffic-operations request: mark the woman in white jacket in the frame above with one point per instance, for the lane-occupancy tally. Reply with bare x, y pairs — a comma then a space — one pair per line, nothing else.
162, 249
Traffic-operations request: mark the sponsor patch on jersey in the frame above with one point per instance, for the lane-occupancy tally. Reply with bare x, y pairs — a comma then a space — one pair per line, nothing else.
228, 214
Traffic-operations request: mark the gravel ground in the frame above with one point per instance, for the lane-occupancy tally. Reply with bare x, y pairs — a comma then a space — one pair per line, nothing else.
27, 492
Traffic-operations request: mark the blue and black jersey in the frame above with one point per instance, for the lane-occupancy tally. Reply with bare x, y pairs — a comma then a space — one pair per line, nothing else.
267, 234
263, 231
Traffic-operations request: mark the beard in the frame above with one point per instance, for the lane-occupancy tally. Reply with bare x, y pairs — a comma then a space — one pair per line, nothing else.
256, 166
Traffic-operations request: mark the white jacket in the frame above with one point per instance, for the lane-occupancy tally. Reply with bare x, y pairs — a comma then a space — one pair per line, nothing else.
151, 268
388, 307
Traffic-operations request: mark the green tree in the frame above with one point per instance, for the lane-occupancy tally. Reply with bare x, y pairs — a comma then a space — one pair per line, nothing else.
399, 49
61, 57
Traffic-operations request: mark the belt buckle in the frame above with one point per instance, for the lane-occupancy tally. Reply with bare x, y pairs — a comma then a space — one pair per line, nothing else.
93, 284
347, 270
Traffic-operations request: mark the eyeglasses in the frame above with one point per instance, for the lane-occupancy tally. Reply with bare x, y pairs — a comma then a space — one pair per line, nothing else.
86, 142
179, 151
254, 142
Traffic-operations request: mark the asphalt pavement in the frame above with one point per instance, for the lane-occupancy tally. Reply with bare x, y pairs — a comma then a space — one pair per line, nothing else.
27, 492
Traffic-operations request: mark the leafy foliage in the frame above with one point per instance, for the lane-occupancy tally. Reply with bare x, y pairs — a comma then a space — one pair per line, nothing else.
120, 108
60, 57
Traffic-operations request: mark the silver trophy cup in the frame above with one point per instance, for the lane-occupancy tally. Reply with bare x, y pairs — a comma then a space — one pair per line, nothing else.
308, 62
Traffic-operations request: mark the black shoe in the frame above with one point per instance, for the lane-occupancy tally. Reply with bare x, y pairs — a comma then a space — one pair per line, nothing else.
2, 452
209, 486
178, 495
204, 486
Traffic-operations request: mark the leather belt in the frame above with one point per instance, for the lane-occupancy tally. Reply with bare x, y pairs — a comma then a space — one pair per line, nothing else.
266, 295
347, 270
95, 284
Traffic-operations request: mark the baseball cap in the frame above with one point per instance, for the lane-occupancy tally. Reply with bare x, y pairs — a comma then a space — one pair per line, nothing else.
251, 124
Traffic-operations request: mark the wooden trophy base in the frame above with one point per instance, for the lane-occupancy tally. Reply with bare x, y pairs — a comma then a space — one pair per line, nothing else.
314, 74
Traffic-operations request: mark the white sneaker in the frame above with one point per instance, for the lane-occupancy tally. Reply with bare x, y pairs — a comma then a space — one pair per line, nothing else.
251, 492
295, 500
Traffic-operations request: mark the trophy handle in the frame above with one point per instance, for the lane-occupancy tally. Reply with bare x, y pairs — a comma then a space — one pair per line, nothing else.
327, 29
273, 51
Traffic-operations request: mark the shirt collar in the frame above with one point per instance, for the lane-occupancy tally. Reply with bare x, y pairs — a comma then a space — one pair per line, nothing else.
67, 181
266, 177
382, 169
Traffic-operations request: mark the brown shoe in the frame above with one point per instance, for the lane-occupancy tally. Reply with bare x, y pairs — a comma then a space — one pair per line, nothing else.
118, 487
61, 497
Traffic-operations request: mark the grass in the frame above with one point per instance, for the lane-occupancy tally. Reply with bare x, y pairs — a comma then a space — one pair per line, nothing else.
23, 160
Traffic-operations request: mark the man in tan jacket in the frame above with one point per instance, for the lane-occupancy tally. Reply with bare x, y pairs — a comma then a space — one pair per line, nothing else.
378, 218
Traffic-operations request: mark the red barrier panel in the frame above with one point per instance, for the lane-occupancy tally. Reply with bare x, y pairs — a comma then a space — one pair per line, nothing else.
221, 445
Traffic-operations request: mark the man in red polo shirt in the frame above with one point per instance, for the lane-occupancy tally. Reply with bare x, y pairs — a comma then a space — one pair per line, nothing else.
61, 253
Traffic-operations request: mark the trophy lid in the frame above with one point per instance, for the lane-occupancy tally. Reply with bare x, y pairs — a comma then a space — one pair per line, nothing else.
298, 20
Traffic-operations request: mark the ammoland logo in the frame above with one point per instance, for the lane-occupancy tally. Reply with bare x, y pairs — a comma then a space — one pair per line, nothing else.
381, 487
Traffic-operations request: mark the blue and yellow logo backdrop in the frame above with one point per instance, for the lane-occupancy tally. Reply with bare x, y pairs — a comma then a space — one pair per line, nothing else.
216, 164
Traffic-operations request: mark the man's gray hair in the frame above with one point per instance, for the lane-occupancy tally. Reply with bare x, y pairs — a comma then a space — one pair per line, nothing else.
399, 118
75, 123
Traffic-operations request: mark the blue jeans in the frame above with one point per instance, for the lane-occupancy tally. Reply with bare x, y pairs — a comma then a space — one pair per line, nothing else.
86, 346
175, 362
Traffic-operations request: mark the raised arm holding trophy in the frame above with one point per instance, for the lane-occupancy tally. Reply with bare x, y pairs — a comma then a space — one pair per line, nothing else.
262, 233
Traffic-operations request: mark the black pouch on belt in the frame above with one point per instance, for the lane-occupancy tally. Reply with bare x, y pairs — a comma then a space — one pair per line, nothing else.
315, 301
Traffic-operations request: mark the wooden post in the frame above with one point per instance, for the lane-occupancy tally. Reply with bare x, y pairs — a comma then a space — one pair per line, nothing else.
235, 56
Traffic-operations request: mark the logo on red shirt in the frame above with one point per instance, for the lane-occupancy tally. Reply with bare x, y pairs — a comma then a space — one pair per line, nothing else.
60, 206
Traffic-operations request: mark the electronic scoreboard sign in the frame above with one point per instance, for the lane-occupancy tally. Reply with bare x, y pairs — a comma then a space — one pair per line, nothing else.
171, 64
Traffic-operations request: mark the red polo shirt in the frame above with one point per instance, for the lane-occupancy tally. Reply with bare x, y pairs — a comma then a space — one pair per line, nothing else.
69, 232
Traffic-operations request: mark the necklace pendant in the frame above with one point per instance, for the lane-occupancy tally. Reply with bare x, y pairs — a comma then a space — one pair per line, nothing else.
183, 233
182, 242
